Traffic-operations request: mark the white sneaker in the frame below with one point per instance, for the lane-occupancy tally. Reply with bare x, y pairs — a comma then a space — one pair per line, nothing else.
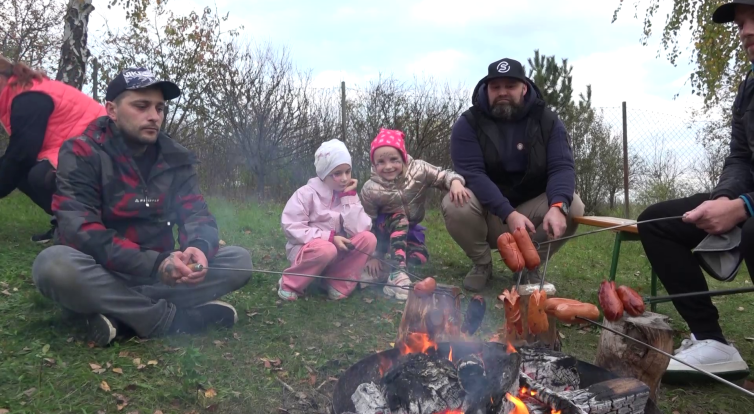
394, 281
334, 294
709, 355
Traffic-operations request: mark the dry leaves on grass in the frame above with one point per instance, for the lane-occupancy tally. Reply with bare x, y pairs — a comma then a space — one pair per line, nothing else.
210, 393
96, 368
4, 411
368, 300
118, 371
104, 386
269, 363
121, 401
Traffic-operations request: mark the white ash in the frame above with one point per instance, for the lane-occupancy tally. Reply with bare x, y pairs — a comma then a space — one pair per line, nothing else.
368, 399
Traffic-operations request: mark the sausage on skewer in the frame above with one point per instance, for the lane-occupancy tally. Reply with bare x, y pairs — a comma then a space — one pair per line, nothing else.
512, 307
633, 304
567, 310
536, 317
611, 304
525, 245
510, 252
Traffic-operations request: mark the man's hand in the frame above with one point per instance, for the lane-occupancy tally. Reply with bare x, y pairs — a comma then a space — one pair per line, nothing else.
554, 223
173, 269
458, 193
374, 267
195, 255
717, 216
517, 220
351, 186
341, 243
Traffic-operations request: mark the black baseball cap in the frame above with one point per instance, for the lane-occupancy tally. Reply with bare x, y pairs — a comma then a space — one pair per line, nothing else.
726, 13
138, 78
506, 68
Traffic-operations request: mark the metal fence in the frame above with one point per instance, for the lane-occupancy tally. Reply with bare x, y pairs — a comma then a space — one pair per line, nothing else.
664, 155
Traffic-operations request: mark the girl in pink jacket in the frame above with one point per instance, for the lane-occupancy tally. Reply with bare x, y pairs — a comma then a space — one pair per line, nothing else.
320, 221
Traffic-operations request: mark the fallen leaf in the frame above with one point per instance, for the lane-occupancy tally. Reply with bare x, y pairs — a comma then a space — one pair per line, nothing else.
45, 349
137, 361
210, 393
108, 365
103, 385
251, 314
157, 412
5, 292
222, 243
247, 231
368, 300
30, 392
561, 335
269, 322
236, 336
278, 302
282, 322
740, 308
301, 396
141, 366
312, 379
228, 356
69, 340
49, 361
152, 362
266, 258
676, 412
267, 363
95, 366
4, 411
218, 343
276, 362
3, 284
118, 371
337, 324
124, 354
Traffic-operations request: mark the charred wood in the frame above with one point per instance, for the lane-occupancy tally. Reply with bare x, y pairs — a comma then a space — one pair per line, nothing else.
423, 384
618, 396
558, 372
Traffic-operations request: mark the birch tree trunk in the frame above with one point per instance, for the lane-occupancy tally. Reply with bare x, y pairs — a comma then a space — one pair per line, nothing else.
74, 53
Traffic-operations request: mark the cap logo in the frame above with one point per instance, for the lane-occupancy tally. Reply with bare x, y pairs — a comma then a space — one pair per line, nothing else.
138, 78
503, 67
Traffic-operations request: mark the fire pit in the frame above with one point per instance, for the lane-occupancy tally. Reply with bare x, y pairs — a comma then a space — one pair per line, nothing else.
424, 377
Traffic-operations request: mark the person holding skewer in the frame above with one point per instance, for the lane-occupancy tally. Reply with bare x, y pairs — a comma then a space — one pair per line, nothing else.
717, 231
394, 198
327, 230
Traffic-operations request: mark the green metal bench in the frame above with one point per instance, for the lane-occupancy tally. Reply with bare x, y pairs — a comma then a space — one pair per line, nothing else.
628, 233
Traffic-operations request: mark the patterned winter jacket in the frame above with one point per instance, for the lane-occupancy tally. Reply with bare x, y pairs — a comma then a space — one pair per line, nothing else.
106, 209
407, 194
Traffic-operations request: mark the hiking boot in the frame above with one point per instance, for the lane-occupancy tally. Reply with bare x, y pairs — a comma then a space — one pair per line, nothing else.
531, 277
710, 355
101, 330
43, 238
198, 318
477, 278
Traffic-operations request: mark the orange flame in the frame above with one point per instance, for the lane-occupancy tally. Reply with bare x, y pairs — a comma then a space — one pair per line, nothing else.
417, 343
449, 411
555, 412
520, 407
511, 349
450, 355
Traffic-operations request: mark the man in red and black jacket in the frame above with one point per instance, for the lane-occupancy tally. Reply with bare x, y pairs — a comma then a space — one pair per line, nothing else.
39, 114
122, 187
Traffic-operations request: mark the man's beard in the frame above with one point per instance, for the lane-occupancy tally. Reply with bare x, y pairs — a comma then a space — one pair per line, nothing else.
506, 111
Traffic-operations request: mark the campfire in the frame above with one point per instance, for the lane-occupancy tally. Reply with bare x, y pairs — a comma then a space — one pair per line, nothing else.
421, 376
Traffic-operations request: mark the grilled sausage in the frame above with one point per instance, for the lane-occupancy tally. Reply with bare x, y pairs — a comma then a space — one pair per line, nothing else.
524, 243
611, 304
633, 304
512, 305
425, 288
551, 303
536, 317
567, 312
510, 252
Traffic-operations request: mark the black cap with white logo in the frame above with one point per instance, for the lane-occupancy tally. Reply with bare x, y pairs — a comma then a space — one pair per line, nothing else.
727, 12
138, 78
505, 68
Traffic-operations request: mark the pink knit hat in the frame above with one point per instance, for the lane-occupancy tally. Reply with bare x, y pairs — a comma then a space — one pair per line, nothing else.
389, 138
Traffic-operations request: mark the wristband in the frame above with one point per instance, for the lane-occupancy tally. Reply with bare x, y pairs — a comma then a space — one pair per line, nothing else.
747, 203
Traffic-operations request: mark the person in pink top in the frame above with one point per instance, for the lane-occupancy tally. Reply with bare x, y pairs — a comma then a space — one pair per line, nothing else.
321, 221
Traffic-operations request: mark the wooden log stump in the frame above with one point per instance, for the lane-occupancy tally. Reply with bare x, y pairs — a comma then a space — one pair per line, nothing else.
438, 315
549, 338
627, 358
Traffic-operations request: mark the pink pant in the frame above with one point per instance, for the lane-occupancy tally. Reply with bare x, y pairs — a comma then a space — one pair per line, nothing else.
320, 257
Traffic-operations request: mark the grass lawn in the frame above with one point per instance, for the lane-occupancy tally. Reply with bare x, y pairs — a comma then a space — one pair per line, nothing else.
46, 368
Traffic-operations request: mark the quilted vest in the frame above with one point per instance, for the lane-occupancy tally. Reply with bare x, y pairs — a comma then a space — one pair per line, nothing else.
73, 112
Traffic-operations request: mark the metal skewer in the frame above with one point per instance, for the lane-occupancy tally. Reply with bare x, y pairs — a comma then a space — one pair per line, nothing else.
707, 373
412, 276
668, 298
540, 244
547, 260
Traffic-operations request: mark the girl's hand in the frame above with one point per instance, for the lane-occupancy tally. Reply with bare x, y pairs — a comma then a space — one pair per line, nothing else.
374, 267
341, 243
351, 186
458, 193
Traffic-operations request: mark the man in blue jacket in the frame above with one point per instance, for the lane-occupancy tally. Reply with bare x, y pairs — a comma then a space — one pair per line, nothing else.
515, 155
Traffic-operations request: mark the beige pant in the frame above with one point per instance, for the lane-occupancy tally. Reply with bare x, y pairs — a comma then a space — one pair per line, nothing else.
476, 230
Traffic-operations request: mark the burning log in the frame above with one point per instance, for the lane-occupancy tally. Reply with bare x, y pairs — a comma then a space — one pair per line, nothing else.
368, 399
616, 396
555, 371
548, 338
471, 373
627, 358
438, 315
423, 384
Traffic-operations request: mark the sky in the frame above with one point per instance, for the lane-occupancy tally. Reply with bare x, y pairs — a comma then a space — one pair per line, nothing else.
453, 41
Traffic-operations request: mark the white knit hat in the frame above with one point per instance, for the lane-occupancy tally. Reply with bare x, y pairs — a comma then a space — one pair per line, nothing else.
329, 155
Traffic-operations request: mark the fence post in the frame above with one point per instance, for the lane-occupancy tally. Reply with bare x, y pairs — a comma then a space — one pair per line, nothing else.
625, 162
343, 110
95, 72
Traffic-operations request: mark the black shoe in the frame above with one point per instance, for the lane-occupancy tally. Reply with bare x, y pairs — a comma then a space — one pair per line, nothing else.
44, 237
198, 318
101, 330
